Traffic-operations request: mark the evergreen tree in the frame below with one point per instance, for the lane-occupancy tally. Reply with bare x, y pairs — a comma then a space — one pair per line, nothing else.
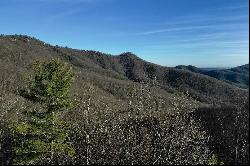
42, 133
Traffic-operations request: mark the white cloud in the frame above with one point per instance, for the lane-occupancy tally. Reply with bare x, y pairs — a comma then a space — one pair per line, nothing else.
190, 28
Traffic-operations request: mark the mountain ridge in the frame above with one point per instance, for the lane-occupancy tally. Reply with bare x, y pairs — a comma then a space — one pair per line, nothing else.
124, 66
124, 93
238, 76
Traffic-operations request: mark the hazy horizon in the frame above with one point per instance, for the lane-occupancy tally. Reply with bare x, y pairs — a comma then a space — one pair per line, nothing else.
205, 34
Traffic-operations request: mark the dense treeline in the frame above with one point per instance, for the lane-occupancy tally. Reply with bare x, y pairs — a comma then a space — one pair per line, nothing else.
238, 76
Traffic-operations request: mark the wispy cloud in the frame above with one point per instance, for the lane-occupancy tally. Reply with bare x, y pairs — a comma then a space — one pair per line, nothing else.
73, 7
235, 55
191, 28
69, 12
201, 46
198, 19
233, 7
156, 31
211, 20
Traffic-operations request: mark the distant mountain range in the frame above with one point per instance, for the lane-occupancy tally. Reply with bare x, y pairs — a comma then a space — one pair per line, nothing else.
238, 76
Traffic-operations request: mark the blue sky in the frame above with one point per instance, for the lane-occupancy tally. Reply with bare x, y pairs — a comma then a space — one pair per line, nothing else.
204, 33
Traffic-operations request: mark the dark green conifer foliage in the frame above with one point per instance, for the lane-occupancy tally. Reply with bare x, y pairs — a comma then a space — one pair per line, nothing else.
42, 133
51, 84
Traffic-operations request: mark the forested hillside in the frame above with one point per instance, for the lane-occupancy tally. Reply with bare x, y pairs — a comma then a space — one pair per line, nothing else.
238, 76
127, 110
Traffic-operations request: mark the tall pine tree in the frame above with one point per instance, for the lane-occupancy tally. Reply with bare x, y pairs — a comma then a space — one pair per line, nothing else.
42, 133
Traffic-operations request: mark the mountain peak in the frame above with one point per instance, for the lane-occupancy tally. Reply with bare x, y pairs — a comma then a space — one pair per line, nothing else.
189, 68
129, 55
